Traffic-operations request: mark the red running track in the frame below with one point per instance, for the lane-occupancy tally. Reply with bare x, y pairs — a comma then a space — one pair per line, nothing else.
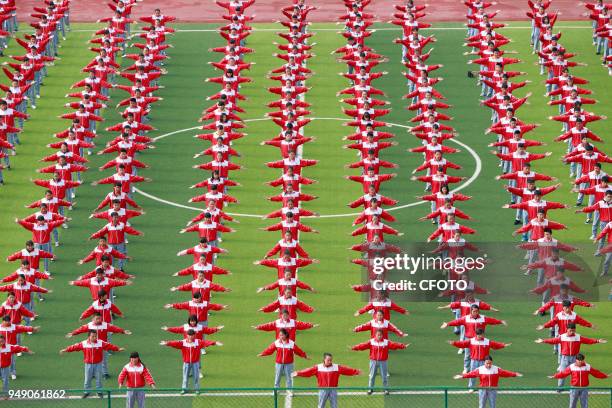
267, 10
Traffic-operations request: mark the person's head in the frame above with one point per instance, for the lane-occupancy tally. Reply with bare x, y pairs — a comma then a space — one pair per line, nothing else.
97, 318
92, 336
40, 220
197, 297
567, 306
488, 361
287, 293
102, 295
571, 329
479, 333
6, 320
474, 310
328, 359
134, 358
580, 360
283, 334
191, 334
379, 334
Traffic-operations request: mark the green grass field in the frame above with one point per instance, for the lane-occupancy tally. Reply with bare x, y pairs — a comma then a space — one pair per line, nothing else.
429, 361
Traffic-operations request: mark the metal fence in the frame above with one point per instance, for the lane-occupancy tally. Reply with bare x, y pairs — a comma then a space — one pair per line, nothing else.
413, 397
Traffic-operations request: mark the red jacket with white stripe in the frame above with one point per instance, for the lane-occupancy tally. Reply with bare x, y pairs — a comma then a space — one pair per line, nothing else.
570, 345
290, 325
471, 324
580, 375
92, 352
6, 354
327, 376
135, 376
33, 256
479, 349
191, 350
379, 350
489, 377
373, 325
285, 351
115, 234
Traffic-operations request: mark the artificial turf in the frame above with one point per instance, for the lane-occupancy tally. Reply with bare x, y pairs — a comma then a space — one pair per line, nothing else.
429, 360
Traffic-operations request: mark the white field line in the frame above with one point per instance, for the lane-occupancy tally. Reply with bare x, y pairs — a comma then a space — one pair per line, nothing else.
474, 176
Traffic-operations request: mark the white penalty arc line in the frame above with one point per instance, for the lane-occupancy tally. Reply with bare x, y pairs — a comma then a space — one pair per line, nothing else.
469, 181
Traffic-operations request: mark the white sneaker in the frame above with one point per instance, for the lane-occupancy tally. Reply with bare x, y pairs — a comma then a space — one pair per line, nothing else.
201, 375
592, 237
460, 351
13, 377
57, 244
65, 226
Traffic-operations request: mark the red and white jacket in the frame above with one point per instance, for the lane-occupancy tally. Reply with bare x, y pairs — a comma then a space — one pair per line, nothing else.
379, 350
93, 353
285, 351
135, 376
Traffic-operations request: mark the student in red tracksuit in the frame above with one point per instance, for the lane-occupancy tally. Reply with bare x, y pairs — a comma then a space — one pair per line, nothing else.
99, 282
327, 374
202, 265
15, 310
379, 354
202, 286
103, 306
488, 376
287, 282
115, 234
93, 350
191, 351
289, 302
287, 323
31, 254
102, 250
564, 319
208, 229
202, 247
479, 348
579, 373
470, 323
23, 291
104, 331
569, 347
383, 303
135, 375
197, 307
41, 231
7, 352
285, 349
379, 323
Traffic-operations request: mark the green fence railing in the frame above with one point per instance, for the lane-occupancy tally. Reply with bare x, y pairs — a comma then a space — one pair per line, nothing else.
348, 397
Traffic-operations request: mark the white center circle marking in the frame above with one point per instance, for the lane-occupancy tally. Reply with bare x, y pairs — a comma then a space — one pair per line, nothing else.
469, 181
